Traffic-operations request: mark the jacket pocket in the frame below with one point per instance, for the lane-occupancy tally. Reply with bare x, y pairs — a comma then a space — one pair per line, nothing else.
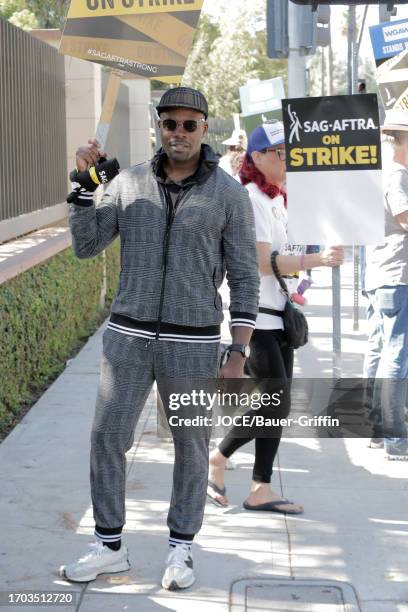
121, 350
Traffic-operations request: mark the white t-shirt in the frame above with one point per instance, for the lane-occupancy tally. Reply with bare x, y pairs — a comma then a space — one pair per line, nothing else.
387, 264
270, 226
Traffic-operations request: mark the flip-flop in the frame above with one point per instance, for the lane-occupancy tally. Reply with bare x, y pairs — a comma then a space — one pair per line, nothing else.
273, 506
215, 489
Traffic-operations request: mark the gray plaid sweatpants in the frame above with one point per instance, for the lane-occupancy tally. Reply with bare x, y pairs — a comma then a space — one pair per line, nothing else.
129, 367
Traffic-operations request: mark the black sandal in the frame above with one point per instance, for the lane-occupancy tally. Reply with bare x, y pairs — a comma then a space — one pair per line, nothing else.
273, 506
215, 489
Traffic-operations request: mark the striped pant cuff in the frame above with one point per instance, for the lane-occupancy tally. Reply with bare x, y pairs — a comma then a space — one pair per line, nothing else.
176, 542
108, 538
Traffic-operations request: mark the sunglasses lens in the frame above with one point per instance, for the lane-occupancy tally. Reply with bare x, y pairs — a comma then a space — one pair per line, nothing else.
170, 124
190, 125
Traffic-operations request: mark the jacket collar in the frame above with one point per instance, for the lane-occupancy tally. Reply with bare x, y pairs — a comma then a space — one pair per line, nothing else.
208, 163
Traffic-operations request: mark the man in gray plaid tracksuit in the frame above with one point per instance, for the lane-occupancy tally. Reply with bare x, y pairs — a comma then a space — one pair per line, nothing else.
183, 223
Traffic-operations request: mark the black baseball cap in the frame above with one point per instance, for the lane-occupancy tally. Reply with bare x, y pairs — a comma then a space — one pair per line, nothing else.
183, 97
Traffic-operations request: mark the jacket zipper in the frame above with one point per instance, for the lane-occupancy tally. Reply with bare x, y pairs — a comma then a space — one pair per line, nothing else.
171, 211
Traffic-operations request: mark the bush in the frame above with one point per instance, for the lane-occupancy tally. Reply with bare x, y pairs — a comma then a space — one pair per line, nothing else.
46, 313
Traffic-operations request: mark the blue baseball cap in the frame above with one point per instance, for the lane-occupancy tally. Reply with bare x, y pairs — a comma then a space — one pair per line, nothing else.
266, 135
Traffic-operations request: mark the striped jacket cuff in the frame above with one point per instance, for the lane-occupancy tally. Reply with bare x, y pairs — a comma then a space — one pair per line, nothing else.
83, 197
243, 319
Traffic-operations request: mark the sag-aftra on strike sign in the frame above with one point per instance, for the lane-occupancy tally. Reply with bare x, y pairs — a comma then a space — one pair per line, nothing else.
114, 7
151, 38
333, 164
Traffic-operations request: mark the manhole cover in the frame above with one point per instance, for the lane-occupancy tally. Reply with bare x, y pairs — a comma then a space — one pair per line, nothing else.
292, 596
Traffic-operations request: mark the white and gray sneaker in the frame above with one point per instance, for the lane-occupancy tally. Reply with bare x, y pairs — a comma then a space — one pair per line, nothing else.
179, 569
99, 560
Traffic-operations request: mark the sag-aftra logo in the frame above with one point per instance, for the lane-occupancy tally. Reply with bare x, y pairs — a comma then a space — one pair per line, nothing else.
338, 125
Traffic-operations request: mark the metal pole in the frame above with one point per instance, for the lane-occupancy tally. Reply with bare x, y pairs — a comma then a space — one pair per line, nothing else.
336, 279
354, 68
355, 49
362, 27
351, 27
297, 74
323, 73
336, 286
356, 249
296, 60
356, 287
383, 13
330, 71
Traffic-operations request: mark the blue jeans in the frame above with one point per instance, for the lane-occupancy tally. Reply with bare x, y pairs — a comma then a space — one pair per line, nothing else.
390, 306
371, 363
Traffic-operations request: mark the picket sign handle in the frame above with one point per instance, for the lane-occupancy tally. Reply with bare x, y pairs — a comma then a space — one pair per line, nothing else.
108, 107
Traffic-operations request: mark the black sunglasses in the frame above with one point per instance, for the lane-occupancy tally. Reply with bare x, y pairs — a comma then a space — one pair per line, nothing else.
189, 125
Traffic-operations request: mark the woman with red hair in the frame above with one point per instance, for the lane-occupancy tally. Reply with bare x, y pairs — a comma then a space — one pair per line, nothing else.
264, 174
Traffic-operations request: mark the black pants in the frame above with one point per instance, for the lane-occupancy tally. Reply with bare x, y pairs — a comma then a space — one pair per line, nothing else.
270, 358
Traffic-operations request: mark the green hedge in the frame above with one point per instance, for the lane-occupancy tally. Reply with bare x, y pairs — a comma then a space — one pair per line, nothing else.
45, 315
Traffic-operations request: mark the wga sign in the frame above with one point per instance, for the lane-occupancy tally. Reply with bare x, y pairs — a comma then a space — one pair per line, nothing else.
295, 125
395, 32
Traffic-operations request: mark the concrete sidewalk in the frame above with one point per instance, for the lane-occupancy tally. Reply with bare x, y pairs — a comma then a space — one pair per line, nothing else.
353, 531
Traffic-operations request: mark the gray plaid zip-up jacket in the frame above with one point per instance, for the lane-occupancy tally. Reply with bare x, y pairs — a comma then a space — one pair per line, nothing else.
212, 234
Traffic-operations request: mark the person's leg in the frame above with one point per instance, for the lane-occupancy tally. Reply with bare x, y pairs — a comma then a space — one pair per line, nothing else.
270, 358
371, 362
392, 372
374, 339
125, 382
265, 362
266, 448
194, 362
258, 366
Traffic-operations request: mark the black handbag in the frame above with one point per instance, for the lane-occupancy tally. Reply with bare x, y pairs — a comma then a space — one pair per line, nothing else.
294, 321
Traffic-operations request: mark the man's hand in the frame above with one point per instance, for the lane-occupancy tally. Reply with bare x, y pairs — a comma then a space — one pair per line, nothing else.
332, 256
88, 155
234, 368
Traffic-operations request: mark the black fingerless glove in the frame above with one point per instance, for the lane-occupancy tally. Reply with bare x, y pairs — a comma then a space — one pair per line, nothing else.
86, 182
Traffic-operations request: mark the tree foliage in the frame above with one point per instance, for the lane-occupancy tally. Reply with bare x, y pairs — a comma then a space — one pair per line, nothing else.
228, 53
24, 19
50, 14
34, 13
366, 67
339, 75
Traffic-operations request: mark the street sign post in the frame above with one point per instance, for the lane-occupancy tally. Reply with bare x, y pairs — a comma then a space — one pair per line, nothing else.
261, 96
261, 101
252, 121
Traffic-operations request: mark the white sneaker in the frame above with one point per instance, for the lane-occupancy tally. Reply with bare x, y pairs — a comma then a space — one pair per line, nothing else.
397, 456
179, 569
99, 560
